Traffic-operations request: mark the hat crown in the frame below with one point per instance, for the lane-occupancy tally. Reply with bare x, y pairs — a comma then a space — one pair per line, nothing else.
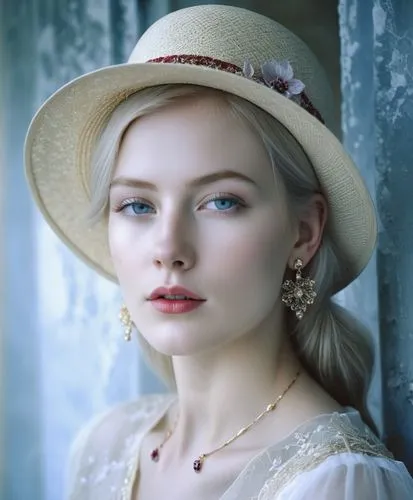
236, 35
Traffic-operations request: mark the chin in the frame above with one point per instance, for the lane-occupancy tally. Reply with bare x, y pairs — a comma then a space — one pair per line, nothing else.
177, 341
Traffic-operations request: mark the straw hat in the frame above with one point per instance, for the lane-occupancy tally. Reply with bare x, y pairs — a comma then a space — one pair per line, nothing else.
222, 47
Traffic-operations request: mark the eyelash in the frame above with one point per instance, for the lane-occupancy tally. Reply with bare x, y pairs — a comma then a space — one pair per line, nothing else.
121, 207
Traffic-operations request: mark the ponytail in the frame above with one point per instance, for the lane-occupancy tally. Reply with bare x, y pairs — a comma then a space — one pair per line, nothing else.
334, 347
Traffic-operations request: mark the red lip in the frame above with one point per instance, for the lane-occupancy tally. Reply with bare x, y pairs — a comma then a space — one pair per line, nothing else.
168, 306
171, 306
159, 293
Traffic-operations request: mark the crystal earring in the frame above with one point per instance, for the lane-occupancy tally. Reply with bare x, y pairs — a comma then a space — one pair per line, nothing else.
126, 321
298, 294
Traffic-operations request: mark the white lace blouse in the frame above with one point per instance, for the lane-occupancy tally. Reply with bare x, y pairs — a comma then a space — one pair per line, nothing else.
330, 457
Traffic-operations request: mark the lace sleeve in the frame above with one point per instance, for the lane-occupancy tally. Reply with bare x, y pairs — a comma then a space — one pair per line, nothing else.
351, 476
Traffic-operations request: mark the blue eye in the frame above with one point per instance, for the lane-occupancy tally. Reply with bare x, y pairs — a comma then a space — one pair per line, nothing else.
137, 208
219, 203
223, 204
140, 208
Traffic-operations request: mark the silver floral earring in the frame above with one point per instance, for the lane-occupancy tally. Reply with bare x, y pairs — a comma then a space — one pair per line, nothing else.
126, 321
298, 294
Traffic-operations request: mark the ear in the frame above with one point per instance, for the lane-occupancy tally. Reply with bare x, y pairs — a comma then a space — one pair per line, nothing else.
311, 225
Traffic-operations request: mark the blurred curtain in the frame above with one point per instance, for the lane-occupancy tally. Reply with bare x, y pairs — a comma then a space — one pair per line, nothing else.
64, 355
377, 77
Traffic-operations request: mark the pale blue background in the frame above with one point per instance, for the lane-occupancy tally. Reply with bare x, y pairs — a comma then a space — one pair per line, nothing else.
64, 356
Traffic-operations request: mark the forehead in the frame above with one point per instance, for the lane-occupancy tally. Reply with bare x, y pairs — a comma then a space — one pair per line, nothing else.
192, 137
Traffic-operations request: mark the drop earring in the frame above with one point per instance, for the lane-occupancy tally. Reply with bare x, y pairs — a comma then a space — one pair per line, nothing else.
126, 321
298, 294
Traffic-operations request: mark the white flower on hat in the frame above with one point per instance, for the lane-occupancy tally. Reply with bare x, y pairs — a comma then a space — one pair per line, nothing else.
278, 75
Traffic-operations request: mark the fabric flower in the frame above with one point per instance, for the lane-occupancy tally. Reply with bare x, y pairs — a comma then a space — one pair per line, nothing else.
280, 76
248, 70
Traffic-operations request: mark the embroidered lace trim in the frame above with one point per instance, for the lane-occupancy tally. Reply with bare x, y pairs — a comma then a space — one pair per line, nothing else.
310, 449
106, 460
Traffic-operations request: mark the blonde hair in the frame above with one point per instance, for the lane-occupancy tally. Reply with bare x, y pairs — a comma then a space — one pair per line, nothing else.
332, 345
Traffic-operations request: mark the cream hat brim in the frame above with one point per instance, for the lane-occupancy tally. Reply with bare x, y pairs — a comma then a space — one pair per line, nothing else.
63, 133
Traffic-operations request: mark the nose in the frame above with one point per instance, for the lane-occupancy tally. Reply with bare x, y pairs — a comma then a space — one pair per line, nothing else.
173, 249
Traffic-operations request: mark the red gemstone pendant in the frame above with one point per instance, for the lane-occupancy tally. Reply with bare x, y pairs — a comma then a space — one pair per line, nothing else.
155, 455
197, 465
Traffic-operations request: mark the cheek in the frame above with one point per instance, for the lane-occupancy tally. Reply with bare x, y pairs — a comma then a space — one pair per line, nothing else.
254, 266
116, 241
263, 250
123, 247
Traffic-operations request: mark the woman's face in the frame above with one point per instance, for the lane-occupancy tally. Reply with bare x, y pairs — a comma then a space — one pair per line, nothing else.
194, 203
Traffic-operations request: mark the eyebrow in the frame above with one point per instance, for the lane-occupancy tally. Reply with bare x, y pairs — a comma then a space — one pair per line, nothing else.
198, 182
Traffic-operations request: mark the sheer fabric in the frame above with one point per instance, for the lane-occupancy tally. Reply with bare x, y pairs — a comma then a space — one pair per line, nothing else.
333, 456
352, 477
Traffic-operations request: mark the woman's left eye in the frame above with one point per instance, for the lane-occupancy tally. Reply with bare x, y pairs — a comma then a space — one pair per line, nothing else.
223, 204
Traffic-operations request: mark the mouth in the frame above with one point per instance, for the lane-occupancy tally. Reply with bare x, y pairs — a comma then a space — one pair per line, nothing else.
175, 304
174, 297
174, 293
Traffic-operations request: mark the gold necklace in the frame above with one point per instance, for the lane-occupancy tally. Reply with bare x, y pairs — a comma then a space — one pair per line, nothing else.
198, 463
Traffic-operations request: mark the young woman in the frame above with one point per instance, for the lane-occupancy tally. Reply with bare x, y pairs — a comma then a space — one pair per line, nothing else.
202, 176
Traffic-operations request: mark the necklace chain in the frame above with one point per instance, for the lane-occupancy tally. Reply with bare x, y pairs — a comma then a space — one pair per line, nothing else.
198, 463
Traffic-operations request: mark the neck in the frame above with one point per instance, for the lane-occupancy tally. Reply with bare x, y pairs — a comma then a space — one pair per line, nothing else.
219, 393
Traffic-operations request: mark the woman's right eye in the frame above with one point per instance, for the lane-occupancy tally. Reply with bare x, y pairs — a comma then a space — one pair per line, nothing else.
134, 208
